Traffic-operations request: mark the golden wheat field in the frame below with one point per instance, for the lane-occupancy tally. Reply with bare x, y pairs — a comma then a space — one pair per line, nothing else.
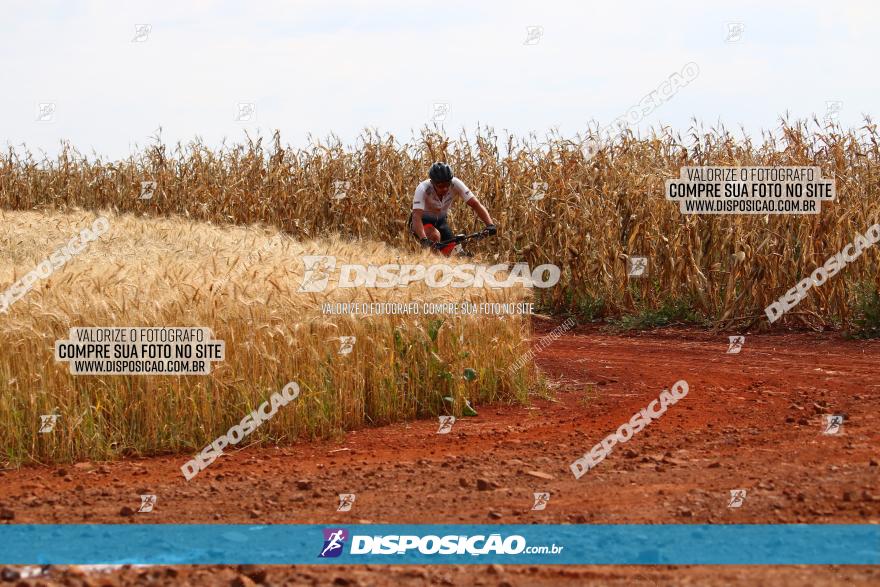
556, 202
243, 283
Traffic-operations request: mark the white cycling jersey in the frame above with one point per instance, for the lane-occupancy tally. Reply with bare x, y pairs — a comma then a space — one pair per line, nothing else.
427, 199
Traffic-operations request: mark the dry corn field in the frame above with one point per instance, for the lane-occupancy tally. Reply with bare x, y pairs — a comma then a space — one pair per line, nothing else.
597, 209
242, 282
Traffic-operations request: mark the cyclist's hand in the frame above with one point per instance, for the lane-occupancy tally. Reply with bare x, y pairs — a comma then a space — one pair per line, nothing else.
491, 230
426, 242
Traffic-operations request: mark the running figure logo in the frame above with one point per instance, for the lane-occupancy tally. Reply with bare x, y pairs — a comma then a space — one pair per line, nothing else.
346, 344
736, 344
590, 148
46, 112
735, 32
446, 423
533, 35
832, 110
539, 190
346, 500
142, 33
148, 188
340, 189
317, 272
334, 541
541, 501
636, 266
147, 503
245, 112
833, 424
440, 111
47, 423
737, 497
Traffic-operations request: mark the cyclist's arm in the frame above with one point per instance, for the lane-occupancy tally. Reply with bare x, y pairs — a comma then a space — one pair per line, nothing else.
471, 200
418, 208
417, 227
480, 210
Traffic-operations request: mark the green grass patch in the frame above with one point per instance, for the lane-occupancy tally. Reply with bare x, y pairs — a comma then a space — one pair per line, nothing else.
866, 320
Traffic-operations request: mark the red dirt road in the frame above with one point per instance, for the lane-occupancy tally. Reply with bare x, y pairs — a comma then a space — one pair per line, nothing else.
750, 421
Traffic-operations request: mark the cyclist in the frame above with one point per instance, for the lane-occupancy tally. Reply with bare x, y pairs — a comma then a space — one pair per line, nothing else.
432, 201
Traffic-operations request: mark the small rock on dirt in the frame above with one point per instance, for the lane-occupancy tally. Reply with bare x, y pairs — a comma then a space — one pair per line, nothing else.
126, 511
254, 572
540, 474
869, 497
242, 581
7, 514
303, 485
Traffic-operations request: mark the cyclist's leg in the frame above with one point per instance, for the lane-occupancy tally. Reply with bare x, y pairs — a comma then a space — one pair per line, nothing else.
430, 224
443, 228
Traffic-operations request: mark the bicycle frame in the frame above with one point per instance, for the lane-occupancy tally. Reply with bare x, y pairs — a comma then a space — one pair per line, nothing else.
446, 247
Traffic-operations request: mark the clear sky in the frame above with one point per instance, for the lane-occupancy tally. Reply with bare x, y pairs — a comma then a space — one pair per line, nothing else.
336, 67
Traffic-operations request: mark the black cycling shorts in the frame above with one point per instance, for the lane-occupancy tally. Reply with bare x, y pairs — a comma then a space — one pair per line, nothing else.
437, 222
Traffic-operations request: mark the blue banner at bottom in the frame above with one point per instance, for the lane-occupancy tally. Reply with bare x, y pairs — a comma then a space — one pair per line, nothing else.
184, 544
